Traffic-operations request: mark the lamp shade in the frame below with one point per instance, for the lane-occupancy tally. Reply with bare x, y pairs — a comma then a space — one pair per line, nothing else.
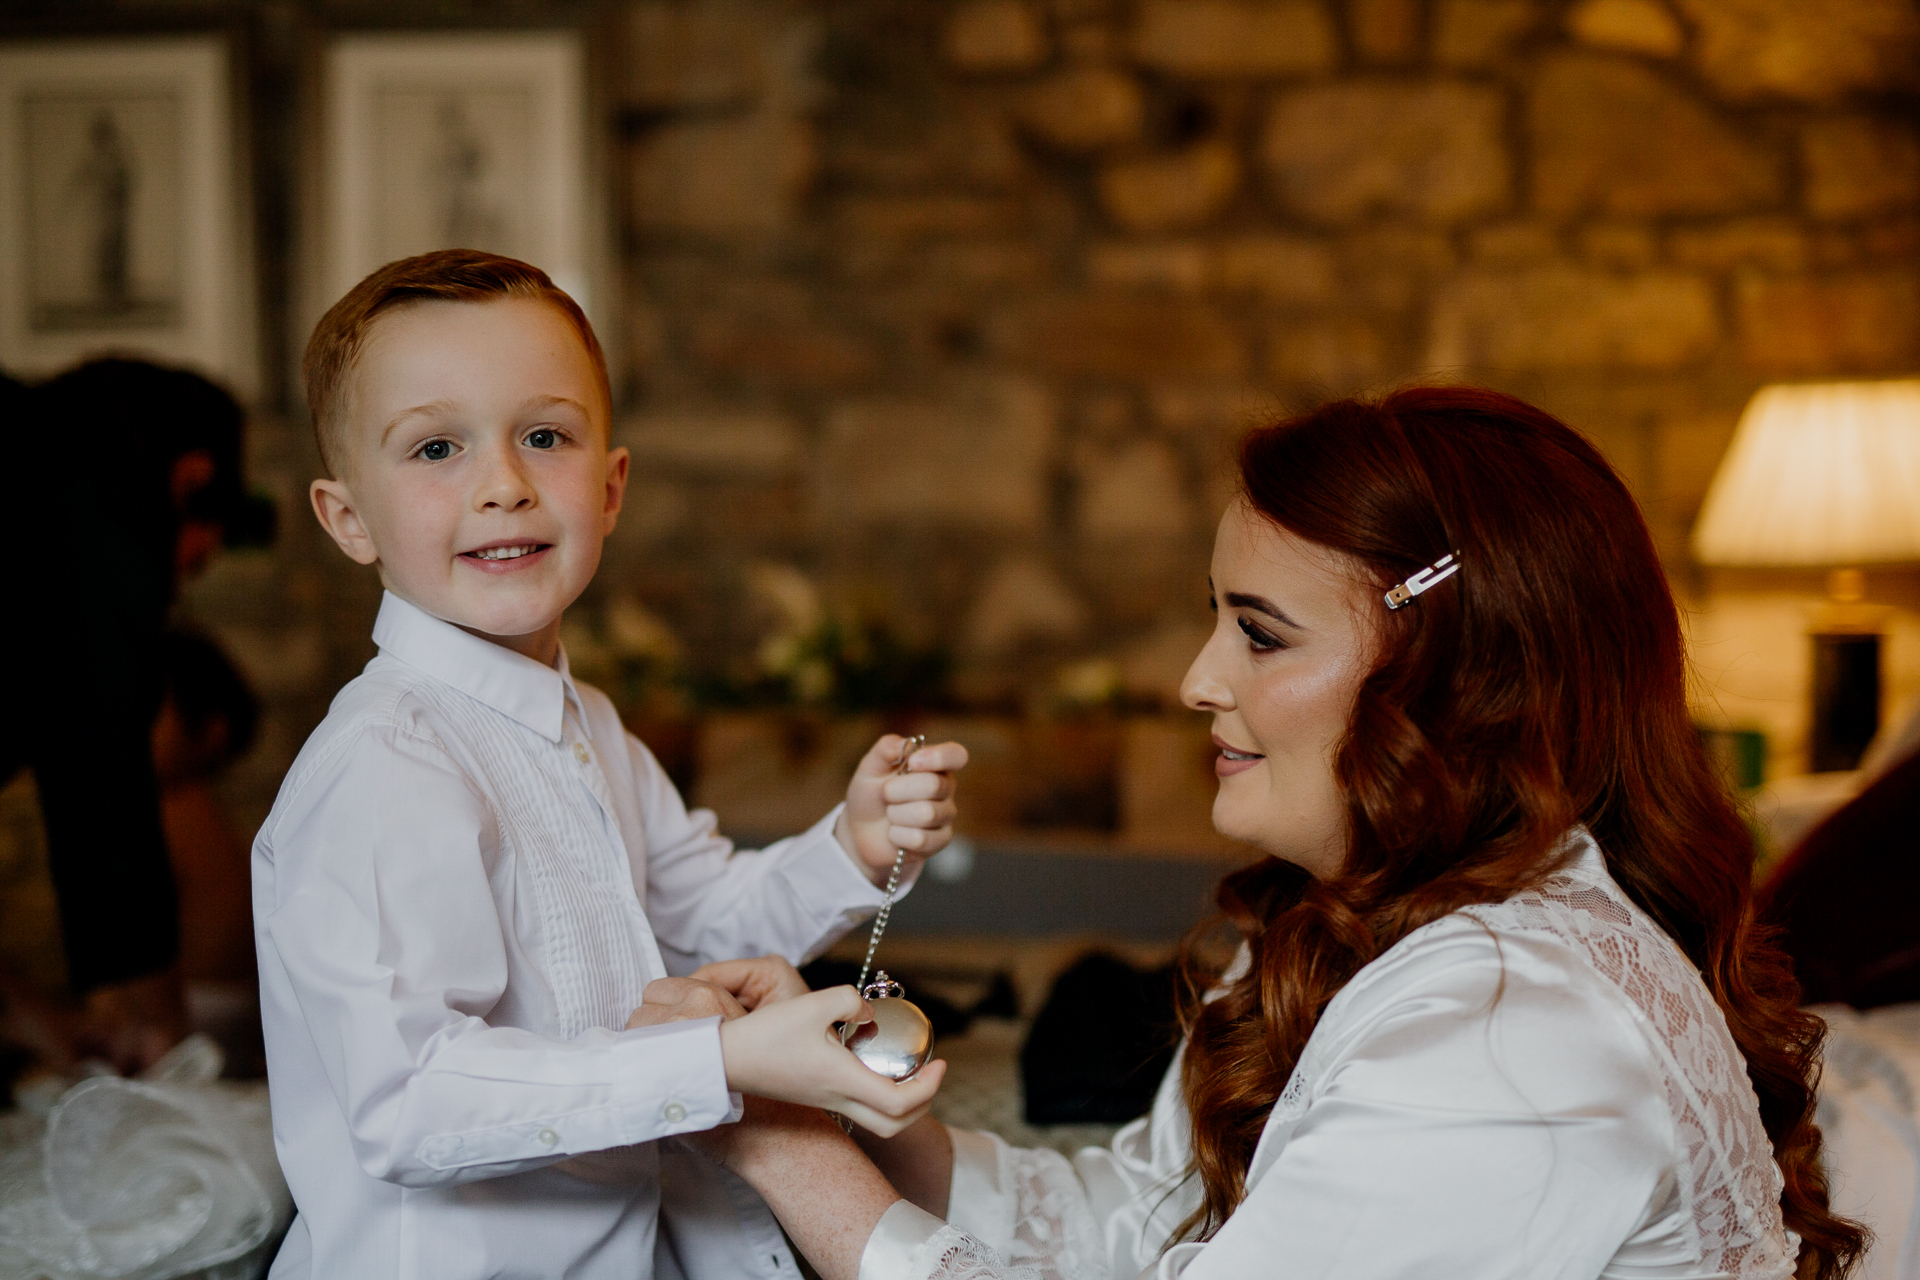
1818, 474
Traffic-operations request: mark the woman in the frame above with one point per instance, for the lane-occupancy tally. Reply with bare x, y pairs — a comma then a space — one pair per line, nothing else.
1501, 1008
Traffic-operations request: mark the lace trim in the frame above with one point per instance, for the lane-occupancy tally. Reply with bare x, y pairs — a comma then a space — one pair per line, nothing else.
1054, 1238
1730, 1183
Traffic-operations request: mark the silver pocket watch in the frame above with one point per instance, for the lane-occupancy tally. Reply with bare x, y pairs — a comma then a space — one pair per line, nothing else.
899, 1040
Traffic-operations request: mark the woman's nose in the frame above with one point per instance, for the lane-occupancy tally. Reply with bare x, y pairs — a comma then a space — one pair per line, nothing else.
1203, 689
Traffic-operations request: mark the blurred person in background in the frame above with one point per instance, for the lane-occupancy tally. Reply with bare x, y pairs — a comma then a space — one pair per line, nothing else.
129, 481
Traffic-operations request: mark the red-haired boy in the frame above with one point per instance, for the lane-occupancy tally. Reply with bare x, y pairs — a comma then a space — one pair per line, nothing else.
475, 887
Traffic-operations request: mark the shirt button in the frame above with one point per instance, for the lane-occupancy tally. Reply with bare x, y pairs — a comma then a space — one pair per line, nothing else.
548, 1137
580, 752
673, 1113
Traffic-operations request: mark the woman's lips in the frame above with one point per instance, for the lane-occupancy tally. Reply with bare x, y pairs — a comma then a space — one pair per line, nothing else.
1231, 761
507, 557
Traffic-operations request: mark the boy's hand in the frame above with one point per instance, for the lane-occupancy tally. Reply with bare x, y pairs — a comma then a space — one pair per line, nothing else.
789, 1051
887, 810
754, 982
681, 1000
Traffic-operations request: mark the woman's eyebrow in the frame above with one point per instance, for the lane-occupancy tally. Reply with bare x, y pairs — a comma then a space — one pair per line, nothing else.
1260, 604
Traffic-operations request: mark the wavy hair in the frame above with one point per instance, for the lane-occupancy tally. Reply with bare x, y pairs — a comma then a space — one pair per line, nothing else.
1543, 686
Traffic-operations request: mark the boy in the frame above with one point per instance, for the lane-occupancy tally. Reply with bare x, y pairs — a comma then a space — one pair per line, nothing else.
472, 873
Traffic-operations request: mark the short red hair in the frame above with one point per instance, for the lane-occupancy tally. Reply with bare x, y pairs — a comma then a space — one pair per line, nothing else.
445, 275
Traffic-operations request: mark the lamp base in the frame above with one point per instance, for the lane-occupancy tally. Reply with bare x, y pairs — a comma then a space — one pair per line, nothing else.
1846, 698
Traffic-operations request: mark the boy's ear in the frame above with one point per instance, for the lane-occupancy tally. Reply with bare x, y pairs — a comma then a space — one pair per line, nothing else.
618, 461
334, 508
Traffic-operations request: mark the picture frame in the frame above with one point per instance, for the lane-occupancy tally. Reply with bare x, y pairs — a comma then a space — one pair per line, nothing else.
472, 140
119, 227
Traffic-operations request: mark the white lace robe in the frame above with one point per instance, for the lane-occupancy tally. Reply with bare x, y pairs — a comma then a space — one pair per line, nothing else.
1537, 1089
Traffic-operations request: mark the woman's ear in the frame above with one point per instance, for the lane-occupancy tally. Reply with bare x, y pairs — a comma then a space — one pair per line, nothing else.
339, 515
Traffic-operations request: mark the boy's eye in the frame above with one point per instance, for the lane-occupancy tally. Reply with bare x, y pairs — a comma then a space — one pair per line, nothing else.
437, 450
1259, 639
543, 438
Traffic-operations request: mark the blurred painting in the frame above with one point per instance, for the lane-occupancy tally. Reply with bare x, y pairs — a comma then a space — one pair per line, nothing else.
118, 227
471, 141
103, 210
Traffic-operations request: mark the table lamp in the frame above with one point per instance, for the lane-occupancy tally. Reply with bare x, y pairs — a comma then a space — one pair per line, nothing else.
1825, 475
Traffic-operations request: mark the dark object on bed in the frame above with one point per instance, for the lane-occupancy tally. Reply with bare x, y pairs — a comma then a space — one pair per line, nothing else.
1100, 1044
1848, 898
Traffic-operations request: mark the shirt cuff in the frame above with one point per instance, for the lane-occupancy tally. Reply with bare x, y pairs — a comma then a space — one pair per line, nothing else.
661, 1081
661, 1091
896, 1238
979, 1202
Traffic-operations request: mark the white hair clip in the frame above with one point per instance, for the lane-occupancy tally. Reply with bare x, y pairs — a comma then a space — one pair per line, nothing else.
1433, 575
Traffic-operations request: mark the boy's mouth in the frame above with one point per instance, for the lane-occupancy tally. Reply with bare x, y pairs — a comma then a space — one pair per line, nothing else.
505, 551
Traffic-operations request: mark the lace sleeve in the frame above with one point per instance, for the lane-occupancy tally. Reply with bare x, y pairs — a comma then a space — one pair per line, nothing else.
1051, 1233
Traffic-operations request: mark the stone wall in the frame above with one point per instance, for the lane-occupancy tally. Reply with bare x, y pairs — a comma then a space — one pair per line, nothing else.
956, 306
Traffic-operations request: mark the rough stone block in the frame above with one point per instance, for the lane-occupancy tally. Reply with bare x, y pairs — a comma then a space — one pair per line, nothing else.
1170, 192
799, 353
1688, 451
1619, 244
1864, 322
1778, 243
1211, 409
975, 458
905, 217
1796, 49
1611, 136
1179, 266
1333, 357
1278, 268
711, 439
1131, 492
723, 177
1631, 26
1085, 108
697, 57
1858, 165
1565, 318
1223, 38
1514, 243
1385, 32
1122, 337
1344, 151
995, 35
1472, 34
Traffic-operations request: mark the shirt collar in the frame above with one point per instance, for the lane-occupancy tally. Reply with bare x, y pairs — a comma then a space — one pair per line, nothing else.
514, 685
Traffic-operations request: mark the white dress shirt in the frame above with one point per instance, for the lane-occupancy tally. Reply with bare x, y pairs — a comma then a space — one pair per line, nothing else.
1538, 1089
468, 878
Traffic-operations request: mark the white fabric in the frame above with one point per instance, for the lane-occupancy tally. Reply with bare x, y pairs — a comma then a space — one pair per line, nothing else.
1870, 1119
1539, 1088
470, 875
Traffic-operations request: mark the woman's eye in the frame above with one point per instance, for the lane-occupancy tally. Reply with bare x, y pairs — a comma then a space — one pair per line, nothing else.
544, 438
437, 450
1261, 641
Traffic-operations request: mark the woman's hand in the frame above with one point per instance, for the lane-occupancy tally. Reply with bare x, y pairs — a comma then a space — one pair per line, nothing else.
789, 1050
764, 980
888, 811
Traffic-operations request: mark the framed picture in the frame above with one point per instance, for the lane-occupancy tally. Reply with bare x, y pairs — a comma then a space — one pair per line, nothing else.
474, 141
119, 230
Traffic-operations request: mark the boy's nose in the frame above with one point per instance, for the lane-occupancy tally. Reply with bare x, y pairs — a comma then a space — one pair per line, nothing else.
504, 487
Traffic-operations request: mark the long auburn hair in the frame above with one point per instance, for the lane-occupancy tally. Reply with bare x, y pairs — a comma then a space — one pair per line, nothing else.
1542, 686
